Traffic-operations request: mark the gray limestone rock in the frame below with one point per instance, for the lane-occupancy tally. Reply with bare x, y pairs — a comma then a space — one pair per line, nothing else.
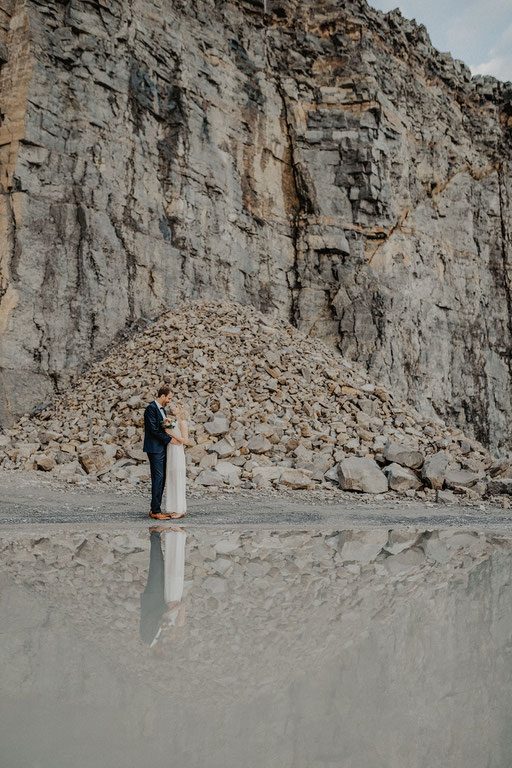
44, 462
332, 475
209, 477
219, 425
209, 461
446, 497
403, 455
259, 444
227, 470
68, 470
434, 469
223, 448
95, 459
461, 478
296, 478
401, 478
359, 474
264, 475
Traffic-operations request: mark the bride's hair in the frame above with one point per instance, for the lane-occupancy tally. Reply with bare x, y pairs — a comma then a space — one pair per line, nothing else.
182, 412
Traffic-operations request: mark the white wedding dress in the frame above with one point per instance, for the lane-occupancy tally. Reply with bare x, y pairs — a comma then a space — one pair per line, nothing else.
175, 479
174, 565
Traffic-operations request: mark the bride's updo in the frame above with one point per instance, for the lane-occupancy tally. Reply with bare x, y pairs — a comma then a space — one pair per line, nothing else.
182, 412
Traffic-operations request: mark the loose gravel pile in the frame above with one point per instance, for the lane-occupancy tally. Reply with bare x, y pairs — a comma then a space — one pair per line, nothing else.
270, 408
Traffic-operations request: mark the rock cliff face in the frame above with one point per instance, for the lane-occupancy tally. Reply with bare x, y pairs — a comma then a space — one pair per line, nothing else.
326, 162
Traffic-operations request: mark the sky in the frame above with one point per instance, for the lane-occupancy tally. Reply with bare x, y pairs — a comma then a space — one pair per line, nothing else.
477, 31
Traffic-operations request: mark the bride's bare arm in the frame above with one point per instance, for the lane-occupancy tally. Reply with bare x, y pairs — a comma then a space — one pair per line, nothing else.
175, 436
183, 425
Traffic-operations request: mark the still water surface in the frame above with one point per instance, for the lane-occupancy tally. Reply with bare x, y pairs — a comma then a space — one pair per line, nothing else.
369, 649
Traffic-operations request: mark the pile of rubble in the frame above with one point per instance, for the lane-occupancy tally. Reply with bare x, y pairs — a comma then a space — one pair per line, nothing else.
270, 408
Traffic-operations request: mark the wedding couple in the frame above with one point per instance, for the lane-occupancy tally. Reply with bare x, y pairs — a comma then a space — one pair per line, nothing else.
164, 441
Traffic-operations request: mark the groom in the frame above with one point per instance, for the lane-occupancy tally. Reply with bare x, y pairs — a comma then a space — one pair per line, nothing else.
156, 440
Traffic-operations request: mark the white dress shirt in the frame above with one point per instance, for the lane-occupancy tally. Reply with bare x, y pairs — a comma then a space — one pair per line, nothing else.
160, 408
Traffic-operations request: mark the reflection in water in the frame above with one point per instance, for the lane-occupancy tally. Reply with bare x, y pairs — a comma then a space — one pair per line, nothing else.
300, 649
161, 606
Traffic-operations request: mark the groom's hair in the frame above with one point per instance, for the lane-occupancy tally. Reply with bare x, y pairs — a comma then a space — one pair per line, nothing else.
164, 390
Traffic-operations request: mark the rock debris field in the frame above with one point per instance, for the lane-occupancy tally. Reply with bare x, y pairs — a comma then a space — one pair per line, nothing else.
271, 410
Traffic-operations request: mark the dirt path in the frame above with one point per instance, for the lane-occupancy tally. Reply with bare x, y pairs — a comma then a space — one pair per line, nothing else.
28, 499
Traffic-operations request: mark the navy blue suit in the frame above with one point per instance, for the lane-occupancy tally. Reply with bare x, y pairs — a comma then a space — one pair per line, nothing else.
155, 445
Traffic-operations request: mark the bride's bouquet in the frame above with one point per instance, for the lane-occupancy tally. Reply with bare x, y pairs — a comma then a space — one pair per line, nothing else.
168, 423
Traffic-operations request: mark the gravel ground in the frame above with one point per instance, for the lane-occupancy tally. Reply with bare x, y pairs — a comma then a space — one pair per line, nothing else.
32, 499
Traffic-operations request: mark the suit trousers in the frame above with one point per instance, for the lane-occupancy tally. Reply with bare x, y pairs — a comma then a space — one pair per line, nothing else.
157, 463
152, 601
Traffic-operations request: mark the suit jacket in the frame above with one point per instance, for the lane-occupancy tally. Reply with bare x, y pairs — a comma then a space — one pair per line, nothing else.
155, 439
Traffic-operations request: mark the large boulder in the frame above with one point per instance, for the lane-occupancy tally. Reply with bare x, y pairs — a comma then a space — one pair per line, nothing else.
228, 471
96, 458
401, 478
446, 497
138, 473
461, 478
434, 469
219, 425
209, 460
134, 453
209, 477
26, 450
259, 444
44, 462
296, 478
224, 448
262, 476
68, 470
357, 474
403, 455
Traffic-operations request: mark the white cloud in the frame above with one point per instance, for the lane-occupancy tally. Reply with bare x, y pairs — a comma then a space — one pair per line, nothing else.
500, 67
499, 61
471, 30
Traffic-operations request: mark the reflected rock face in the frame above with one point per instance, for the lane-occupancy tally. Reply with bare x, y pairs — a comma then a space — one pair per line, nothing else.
229, 648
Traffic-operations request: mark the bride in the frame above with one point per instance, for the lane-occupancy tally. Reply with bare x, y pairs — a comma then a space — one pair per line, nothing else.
175, 502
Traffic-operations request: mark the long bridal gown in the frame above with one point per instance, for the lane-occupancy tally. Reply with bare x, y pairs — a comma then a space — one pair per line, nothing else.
174, 565
175, 479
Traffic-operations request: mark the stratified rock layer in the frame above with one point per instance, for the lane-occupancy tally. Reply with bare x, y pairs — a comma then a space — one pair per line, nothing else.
319, 160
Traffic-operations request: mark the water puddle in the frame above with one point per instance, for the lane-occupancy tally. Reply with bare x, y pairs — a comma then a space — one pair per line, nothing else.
268, 648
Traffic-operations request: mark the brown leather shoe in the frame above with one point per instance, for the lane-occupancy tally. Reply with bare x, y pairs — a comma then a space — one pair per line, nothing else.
159, 515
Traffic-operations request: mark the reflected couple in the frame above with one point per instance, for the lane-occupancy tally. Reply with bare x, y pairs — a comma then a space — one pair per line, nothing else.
162, 611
